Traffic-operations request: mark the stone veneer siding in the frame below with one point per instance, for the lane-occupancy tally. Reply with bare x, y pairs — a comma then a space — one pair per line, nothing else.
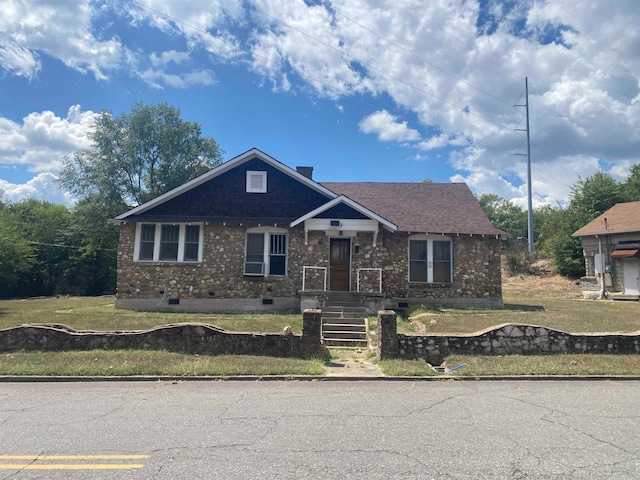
218, 283
218, 278
476, 279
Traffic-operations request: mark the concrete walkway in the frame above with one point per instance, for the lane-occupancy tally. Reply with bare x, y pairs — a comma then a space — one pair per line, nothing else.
347, 363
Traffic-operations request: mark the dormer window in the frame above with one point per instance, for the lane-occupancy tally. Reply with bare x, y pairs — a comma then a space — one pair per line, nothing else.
256, 182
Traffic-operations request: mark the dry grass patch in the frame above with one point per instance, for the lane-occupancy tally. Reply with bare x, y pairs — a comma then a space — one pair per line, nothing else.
573, 316
147, 362
545, 365
100, 314
406, 368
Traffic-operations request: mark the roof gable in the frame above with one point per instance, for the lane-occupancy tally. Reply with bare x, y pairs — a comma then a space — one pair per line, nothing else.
160, 205
342, 200
621, 218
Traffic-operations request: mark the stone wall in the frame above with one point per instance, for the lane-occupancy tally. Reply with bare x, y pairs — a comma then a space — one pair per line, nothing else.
192, 338
507, 339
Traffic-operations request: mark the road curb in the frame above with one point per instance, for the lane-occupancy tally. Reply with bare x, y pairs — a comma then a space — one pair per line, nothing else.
310, 378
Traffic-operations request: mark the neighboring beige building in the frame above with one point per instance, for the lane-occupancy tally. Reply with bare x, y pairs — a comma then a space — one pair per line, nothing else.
611, 245
256, 235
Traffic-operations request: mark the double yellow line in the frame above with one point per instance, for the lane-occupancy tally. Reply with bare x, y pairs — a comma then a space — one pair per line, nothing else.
34, 462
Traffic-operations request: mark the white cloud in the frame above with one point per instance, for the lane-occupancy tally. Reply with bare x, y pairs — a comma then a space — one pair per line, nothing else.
43, 186
159, 78
456, 67
59, 28
387, 128
39, 144
170, 56
19, 60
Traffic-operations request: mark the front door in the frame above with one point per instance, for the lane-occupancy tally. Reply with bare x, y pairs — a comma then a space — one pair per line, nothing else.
340, 264
631, 276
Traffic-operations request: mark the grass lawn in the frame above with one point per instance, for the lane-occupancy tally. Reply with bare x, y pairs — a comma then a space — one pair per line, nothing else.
149, 362
511, 365
568, 315
99, 313
545, 365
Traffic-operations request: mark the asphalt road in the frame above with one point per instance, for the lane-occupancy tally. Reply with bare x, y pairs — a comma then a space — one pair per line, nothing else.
323, 430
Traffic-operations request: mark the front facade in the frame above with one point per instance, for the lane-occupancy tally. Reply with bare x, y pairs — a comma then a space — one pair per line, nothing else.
611, 247
256, 235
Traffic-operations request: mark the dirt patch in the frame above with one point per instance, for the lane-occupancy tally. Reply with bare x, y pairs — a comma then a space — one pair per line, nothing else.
545, 283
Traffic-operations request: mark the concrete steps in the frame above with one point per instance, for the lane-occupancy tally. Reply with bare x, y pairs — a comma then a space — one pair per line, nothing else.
344, 326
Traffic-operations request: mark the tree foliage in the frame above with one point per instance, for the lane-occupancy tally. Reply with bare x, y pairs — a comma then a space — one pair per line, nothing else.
590, 197
16, 253
132, 159
138, 156
505, 215
553, 226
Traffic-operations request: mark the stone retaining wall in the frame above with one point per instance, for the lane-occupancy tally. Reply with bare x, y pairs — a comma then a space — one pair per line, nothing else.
506, 339
184, 338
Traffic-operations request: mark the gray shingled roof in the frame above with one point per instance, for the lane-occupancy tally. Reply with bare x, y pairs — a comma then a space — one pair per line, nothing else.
621, 218
421, 207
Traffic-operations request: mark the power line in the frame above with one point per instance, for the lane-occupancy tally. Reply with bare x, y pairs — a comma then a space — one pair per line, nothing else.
342, 52
331, 87
349, 93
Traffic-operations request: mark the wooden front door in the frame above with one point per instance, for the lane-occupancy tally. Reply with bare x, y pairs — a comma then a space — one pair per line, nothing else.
340, 264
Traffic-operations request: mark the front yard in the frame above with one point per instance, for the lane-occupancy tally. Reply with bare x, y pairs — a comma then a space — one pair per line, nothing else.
553, 308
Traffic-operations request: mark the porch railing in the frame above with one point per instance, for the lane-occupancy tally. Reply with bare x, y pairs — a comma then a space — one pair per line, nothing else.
359, 271
304, 276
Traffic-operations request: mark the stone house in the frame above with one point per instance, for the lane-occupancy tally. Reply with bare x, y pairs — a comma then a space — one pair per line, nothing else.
611, 247
256, 235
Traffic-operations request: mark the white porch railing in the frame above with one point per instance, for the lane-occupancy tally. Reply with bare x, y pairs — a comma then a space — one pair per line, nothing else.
304, 276
360, 270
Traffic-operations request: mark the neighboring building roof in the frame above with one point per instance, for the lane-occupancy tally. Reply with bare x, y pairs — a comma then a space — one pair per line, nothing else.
421, 207
621, 218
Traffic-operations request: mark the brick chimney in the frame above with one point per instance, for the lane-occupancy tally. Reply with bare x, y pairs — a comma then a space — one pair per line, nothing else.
306, 171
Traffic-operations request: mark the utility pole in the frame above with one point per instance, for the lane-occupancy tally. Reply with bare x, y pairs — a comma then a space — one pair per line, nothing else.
529, 190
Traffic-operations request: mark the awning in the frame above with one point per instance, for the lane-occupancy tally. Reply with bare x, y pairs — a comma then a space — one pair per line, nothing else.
629, 253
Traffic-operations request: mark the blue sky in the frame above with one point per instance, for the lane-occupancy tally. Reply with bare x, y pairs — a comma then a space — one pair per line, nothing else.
378, 90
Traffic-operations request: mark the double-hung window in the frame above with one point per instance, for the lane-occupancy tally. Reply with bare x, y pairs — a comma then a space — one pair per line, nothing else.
430, 259
266, 252
159, 242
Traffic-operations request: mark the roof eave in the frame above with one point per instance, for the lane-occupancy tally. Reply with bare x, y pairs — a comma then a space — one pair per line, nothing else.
606, 232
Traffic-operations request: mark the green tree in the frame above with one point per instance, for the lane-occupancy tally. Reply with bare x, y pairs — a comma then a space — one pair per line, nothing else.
46, 228
132, 159
556, 241
505, 215
138, 156
16, 255
631, 187
595, 195
590, 197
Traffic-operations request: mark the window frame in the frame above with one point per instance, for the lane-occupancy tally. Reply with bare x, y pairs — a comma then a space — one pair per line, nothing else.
268, 257
430, 262
159, 242
249, 185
